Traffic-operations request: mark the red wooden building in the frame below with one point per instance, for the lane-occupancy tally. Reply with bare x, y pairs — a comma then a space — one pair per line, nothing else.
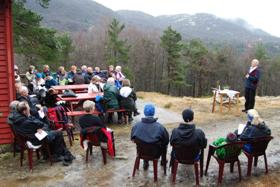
7, 90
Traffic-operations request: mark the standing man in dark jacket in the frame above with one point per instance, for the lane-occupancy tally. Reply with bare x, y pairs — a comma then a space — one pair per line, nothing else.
186, 134
251, 83
148, 130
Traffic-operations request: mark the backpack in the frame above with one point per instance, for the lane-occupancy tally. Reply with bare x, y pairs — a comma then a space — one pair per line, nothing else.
58, 116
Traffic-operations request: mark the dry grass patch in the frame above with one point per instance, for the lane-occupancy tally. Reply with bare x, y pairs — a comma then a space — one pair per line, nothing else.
203, 106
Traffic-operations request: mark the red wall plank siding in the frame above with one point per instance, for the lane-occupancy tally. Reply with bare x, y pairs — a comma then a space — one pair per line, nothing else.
7, 90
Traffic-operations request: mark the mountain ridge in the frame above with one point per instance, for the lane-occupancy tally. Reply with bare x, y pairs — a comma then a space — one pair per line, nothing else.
80, 15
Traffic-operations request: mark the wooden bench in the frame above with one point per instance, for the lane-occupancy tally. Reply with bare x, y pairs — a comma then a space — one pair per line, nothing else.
80, 113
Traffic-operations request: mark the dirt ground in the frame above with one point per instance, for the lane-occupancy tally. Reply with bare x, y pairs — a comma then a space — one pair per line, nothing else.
117, 172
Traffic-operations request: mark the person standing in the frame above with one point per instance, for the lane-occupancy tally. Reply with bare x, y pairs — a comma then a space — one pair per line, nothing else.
251, 83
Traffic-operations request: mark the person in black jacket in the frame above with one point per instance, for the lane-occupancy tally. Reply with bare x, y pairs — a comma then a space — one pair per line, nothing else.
148, 130
187, 134
89, 120
25, 124
79, 78
89, 74
128, 99
255, 128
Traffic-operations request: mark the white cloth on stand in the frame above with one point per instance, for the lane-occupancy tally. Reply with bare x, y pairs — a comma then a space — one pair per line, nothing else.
230, 93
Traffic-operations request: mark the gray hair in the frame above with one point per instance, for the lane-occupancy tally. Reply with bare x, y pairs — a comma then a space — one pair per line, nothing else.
118, 68
22, 106
13, 105
111, 80
23, 89
88, 105
255, 61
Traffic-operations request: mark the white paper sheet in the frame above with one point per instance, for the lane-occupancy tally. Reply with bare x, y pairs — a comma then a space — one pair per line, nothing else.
241, 128
41, 136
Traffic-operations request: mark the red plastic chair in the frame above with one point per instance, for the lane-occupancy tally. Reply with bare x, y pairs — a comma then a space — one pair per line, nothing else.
57, 124
258, 146
22, 142
150, 152
92, 135
187, 155
235, 149
15, 140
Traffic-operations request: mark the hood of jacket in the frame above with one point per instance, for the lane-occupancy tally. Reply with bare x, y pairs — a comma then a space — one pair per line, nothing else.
264, 128
186, 131
149, 120
125, 91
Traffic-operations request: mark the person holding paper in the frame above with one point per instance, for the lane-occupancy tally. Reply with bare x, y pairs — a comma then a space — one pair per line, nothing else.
251, 83
27, 125
255, 127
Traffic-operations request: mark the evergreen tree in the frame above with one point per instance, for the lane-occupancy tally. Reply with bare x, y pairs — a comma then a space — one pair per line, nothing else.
116, 49
65, 47
37, 44
171, 42
196, 54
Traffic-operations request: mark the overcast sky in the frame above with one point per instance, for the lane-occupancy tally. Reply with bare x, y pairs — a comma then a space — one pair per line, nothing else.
262, 14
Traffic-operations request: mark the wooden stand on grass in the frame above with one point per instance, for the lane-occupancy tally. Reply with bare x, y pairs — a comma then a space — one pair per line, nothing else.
222, 98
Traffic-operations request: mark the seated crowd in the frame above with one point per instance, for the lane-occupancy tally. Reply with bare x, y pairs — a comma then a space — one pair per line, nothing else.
116, 89
38, 108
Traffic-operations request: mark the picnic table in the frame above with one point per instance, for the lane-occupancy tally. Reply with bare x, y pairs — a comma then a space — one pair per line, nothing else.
75, 88
226, 98
80, 97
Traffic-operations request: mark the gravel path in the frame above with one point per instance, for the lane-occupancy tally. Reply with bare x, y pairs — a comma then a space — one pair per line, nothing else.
165, 116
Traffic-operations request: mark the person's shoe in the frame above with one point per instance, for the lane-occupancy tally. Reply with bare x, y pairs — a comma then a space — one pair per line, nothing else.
66, 163
145, 165
136, 113
120, 121
130, 119
58, 158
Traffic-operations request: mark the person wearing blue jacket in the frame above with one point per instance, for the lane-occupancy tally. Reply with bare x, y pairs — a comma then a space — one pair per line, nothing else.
148, 130
251, 83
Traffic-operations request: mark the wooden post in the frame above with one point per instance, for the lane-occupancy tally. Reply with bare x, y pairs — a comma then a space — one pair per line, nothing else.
221, 103
237, 102
214, 101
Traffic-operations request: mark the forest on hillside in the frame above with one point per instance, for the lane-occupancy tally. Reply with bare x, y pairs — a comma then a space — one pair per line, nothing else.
154, 61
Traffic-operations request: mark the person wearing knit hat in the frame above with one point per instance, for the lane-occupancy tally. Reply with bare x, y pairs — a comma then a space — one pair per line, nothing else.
148, 130
187, 134
231, 137
149, 110
226, 151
